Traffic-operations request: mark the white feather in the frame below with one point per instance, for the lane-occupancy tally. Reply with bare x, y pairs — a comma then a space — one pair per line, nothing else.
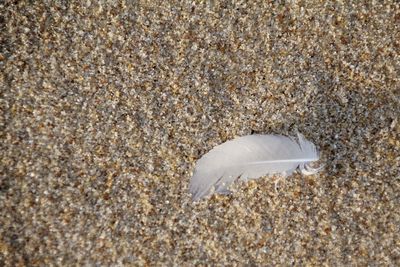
250, 157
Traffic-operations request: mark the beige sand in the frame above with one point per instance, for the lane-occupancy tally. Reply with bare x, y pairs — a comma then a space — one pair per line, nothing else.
105, 109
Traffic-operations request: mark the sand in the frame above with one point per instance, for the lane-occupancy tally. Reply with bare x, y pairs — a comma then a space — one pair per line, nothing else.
107, 105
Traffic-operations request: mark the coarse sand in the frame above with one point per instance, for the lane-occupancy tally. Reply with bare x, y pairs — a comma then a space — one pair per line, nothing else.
105, 106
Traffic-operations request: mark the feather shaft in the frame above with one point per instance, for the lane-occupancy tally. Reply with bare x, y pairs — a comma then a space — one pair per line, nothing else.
285, 160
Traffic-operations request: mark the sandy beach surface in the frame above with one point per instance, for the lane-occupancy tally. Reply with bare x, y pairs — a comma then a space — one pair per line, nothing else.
105, 107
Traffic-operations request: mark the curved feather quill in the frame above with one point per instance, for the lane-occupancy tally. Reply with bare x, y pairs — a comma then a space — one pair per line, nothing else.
250, 157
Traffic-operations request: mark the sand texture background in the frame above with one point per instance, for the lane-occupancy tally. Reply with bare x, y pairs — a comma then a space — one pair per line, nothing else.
107, 105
